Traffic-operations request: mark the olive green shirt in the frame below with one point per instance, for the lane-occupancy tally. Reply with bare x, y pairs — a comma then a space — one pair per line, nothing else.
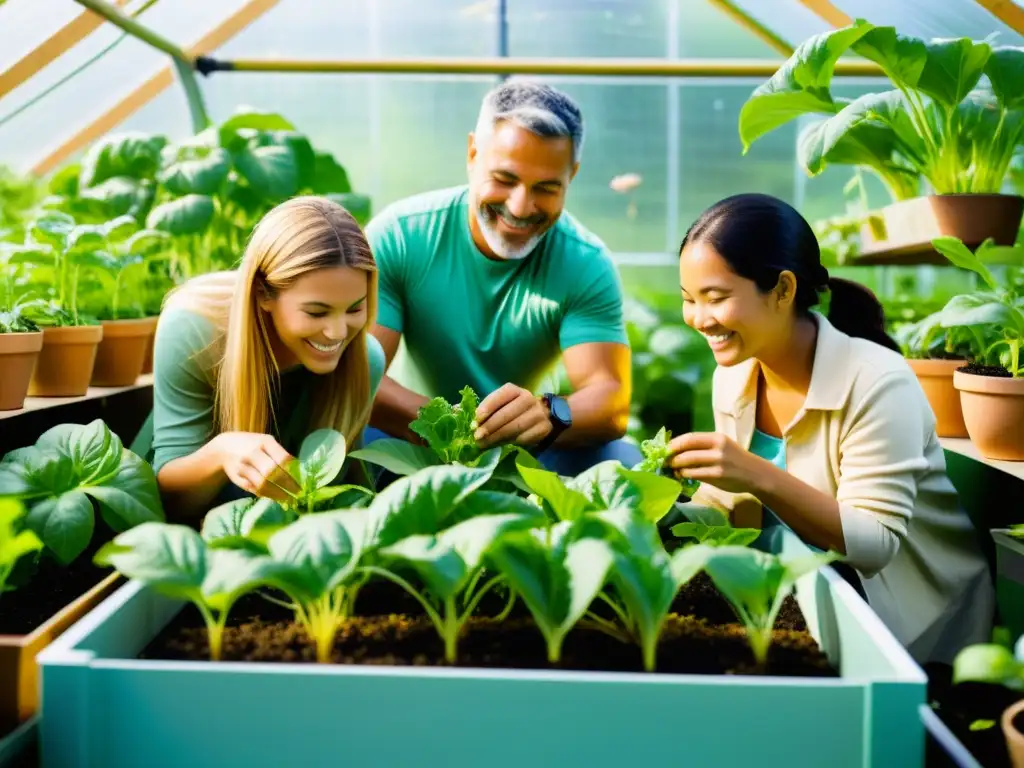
181, 423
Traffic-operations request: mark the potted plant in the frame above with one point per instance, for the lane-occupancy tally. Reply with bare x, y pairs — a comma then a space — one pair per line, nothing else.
935, 353
73, 474
20, 339
992, 385
940, 122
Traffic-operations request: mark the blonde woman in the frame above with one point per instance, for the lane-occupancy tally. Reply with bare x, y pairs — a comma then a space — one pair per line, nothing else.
246, 363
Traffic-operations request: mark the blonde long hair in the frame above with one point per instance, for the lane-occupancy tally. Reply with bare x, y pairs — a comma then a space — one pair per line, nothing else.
296, 237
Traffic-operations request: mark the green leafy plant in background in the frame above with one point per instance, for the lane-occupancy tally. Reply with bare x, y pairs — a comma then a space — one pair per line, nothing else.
994, 316
939, 121
15, 540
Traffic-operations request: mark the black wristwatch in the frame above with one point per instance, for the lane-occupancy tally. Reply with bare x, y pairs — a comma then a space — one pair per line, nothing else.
561, 419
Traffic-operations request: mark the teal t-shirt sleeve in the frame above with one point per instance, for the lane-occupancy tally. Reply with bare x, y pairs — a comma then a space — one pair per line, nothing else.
378, 362
594, 308
182, 392
387, 241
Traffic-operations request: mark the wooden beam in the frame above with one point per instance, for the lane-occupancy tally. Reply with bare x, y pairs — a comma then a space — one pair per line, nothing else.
61, 41
752, 25
1007, 11
152, 87
828, 12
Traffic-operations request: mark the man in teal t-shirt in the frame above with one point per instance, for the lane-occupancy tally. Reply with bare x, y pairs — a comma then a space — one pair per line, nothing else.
490, 284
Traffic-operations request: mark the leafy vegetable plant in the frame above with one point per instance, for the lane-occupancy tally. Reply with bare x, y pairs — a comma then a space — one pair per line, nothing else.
71, 467
656, 453
991, 663
756, 583
448, 429
995, 316
937, 122
711, 526
15, 541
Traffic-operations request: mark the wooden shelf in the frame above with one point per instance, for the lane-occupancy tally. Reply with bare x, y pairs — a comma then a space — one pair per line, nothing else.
95, 393
965, 447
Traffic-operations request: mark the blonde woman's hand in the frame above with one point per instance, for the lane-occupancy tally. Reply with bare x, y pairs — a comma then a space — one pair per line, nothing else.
256, 463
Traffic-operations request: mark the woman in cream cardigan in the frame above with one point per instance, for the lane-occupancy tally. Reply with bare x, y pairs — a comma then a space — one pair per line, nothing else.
822, 421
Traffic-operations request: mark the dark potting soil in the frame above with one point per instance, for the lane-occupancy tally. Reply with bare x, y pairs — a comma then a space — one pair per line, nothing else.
985, 370
46, 588
702, 636
972, 712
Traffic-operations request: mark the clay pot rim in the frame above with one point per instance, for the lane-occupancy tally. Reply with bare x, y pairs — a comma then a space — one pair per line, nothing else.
930, 366
988, 385
1006, 721
73, 334
20, 342
129, 327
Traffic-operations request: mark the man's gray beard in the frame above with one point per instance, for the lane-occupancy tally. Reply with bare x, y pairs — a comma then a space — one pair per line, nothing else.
498, 244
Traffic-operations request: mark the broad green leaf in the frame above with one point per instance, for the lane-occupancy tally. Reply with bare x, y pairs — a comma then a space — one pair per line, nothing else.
716, 535
52, 229
188, 215
95, 450
988, 663
237, 519
360, 206
239, 128
321, 550
397, 456
64, 523
566, 503
609, 484
952, 69
1005, 70
116, 196
84, 239
120, 229
423, 503
321, 458
200, 171
329, 177
147, 242
132, 154
976, 309
230, 573
902, 58
171, 558
301, 151
961, 256
131, 496
496, 503
14, 543
272, 172
800, 86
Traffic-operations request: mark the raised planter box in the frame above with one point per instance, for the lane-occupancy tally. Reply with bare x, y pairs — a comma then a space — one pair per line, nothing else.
19, 674
1010, 580
105, 708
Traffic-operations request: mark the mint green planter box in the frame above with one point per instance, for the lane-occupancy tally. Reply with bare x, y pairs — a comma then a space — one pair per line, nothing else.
103, 708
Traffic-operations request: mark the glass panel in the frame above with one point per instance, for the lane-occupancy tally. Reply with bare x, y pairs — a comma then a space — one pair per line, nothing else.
598, 28
928, 19
25, 24
791, 20
299, 28
711, 165
705, 32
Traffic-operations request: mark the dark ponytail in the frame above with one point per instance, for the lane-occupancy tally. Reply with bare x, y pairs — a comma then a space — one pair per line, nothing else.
760, 236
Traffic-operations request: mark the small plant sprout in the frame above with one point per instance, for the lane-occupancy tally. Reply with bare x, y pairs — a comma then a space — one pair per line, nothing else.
711, 526
991, 663
321, 459
656, 453
557, 574
320, 554
14, 543
450, 565
230, 524
175, 561
448, 429
756, 583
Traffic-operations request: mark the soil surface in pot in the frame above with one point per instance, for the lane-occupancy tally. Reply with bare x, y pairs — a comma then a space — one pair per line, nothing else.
701, 636
49, 589
972, 711
985, 370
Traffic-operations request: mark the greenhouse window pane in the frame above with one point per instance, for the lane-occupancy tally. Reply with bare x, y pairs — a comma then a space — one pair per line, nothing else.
300, 29
928, 19
705, 32
791, 20
25, 24
711, 163
598, 28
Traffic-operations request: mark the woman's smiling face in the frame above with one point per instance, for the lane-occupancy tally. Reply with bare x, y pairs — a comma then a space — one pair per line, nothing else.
738, 320
316, 318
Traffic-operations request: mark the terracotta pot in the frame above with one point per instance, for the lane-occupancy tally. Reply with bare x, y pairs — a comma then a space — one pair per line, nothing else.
147, 360
122, 352
936, 378
1013, 734
18, 355
993, 409
66, 360
909, 226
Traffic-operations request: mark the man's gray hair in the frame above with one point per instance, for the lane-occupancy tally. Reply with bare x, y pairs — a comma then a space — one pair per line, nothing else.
537, 107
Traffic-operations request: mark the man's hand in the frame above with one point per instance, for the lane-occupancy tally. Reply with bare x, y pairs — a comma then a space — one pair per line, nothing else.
511, 414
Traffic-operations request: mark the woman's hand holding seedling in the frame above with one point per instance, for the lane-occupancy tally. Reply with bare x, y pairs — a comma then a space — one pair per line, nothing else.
256, 463
511, 414
713, 458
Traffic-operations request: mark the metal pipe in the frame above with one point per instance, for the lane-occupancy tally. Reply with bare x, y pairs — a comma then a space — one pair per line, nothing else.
115, 16
632, 67
193, 95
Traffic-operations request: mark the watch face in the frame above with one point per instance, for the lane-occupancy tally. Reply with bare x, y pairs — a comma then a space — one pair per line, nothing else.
560, 410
